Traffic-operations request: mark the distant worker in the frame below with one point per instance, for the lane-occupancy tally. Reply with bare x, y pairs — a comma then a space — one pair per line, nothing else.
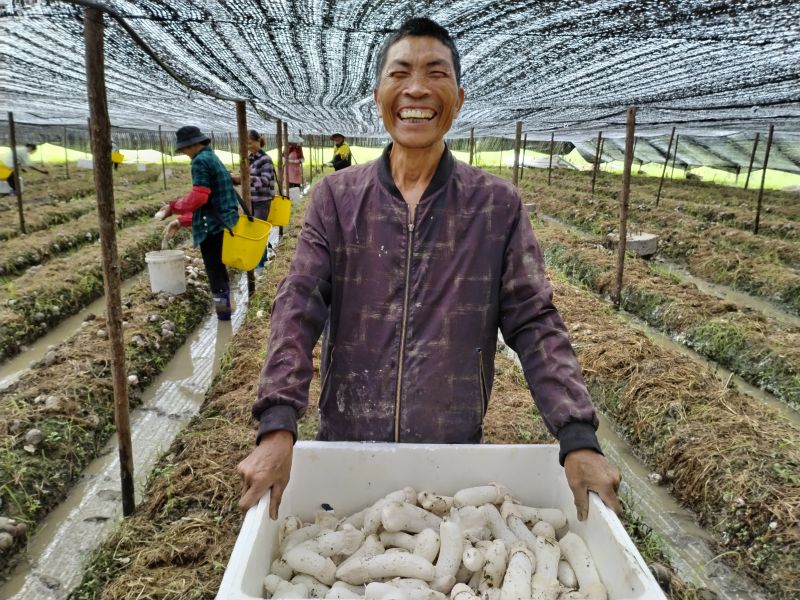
341, 153
209, 209
24, 161
294, 161
116, 155
262, 179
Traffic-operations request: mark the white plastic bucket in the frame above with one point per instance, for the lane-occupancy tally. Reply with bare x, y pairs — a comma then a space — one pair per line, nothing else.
294, 194
166, 271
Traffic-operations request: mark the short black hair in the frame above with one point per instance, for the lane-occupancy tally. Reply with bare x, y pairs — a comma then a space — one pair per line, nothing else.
421, 27
31, 146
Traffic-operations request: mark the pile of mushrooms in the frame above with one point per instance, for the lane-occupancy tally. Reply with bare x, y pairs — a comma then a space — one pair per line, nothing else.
479, 544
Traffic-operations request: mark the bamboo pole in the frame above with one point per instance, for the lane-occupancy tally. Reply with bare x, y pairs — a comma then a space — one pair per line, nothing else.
674, 156
517, 143
244, 173
524, 148
101, 149
550, 164
12, 133
666, 162
596, 164
623, 201
230, 150
285, 162
763, 178
163, 160
752, 158
471, 144
66, 155
279, 146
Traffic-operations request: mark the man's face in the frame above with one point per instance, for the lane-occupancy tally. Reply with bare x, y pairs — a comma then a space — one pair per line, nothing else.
190, 151
418, 96
338, 140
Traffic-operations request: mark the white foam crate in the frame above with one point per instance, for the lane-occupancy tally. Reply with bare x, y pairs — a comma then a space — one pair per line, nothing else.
350, 476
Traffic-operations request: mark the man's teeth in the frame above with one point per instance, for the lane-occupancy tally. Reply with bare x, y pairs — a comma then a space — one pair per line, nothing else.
416, 115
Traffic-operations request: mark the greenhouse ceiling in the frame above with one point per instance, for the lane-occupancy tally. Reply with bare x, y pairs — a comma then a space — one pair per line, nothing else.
569, 66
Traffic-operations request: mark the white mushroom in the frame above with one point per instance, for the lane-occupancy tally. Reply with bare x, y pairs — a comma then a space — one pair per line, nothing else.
316, 589
426, 544
580, 559
463, 592
372, 546
281, 569
398, 539
451, 549
517, 580
346, 541
566, 575
288, 525
436, 503
402, 516
383, 591
531, 515
385, 566
495, 566
497, 525
305, 558
519, 529
472, 558
493, 493
545, 580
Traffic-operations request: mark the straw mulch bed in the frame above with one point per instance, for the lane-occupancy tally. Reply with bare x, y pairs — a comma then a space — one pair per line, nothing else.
732, 460
762, 350
68, 396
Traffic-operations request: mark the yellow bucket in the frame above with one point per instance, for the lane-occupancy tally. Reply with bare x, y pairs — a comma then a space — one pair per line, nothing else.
117, 157
279, 211
5, 172
244, 249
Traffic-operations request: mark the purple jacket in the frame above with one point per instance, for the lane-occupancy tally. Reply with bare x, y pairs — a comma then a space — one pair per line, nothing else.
414, 312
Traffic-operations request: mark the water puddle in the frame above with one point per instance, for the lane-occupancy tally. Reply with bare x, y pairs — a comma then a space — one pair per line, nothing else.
688, 545
56, 553
13, 368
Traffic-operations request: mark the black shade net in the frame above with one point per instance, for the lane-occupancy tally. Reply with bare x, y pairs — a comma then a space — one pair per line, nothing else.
718, 71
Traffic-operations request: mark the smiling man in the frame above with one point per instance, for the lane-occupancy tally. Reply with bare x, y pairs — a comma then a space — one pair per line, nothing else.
417, 260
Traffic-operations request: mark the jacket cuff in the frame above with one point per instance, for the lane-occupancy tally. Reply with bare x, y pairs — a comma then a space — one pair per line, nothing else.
280, 417
576, 436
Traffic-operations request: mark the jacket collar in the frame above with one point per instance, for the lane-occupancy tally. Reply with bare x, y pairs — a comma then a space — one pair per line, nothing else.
438, 181
206, 148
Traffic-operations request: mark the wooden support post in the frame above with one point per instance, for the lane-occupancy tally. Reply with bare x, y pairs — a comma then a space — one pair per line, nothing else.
101, 149
623, 201
163, 160
674, 156
286, 161
524, 148
550, 164
471, 144
763, 178
12, 134
752, 158
279, 146
517, 143
66, 154
738, 172
138, 147
596, 164
244, 173
666, 162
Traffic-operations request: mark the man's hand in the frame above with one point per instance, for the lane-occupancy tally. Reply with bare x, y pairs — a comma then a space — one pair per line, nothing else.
236, 178
171, 229
267, 468
587, 471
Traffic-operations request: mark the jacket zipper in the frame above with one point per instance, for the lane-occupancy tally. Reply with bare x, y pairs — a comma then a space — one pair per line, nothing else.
403, 334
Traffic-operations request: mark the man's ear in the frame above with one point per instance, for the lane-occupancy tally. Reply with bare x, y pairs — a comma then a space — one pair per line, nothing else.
461, 98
